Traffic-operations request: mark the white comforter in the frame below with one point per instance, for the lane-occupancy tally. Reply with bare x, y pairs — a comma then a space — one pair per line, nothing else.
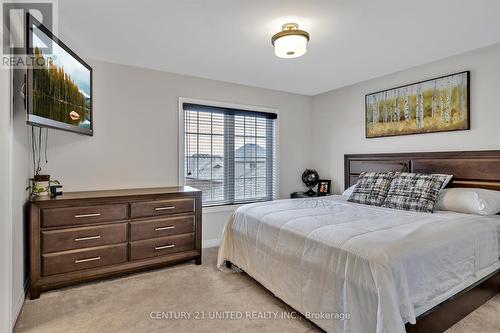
326, 257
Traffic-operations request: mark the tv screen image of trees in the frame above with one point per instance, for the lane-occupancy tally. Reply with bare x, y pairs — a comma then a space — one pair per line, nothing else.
61, 84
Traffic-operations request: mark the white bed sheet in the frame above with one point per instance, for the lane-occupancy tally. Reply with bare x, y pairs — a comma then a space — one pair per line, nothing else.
382, 266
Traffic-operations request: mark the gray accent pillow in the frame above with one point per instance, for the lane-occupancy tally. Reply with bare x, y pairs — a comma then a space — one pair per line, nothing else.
372, 188
414, 191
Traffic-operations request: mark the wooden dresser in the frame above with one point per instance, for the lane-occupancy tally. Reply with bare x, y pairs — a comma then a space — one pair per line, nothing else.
83, 236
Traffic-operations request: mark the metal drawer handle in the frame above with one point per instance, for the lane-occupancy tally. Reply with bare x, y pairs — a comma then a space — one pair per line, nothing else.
165, 208
87, 238
164, 247
78, 261
87, 215
165, 228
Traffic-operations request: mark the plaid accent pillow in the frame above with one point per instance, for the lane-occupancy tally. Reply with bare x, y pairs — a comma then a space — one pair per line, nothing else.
414, 191
372, 188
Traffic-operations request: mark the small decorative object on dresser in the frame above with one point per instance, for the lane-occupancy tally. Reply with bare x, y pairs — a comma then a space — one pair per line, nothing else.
324, 187
56, 189
40, 185
82, 236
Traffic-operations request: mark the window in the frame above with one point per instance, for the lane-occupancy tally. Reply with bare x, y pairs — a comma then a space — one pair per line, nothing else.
229, 154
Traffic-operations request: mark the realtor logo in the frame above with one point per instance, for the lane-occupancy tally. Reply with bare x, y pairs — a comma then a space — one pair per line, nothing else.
14, 26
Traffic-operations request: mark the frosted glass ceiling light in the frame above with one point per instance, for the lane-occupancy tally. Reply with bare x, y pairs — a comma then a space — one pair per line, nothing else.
291, 42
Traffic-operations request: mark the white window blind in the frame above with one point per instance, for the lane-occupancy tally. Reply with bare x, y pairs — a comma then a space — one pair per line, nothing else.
229, 154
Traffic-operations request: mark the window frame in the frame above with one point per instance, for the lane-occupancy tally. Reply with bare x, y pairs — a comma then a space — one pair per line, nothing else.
180, 139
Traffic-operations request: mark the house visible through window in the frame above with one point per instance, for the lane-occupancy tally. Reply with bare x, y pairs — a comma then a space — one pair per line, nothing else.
229, 154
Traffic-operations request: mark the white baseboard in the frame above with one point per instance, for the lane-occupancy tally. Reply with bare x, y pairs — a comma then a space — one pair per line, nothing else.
17, 308
20, 302
210, 243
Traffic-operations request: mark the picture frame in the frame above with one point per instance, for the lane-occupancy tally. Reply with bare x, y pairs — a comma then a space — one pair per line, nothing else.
441, 104
324, 187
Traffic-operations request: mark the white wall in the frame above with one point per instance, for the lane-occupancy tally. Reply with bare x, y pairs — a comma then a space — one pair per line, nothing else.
14, 135
136, 132
20, 173
5, 204
338, 115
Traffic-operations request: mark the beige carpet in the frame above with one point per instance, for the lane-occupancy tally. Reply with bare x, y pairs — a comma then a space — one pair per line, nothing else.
127, 305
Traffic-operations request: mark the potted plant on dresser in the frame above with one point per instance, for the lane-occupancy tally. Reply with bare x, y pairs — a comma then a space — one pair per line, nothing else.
40, 184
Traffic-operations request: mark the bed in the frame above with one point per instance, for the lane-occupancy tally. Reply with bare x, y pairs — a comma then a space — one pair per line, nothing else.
356, 268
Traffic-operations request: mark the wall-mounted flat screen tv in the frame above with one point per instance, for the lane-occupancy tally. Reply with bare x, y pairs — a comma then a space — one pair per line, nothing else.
59, 83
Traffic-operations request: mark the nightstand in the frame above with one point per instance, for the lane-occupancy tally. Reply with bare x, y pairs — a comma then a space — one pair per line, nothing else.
296, 195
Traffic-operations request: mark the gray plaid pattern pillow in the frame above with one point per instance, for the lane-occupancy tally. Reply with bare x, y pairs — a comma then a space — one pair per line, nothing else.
372, 188
414, 191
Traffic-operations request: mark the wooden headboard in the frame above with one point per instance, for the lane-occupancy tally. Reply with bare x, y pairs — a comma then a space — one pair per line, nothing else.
469, 168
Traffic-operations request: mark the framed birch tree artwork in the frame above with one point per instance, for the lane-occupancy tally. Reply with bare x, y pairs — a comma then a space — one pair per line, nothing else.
437, 105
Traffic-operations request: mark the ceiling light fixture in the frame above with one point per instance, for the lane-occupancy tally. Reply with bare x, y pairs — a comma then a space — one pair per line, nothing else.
291, 42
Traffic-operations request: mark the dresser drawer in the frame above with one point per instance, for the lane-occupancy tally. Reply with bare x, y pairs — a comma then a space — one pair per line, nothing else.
54, 217
161, 246
161, 227
161, 207
83, 237
75, 260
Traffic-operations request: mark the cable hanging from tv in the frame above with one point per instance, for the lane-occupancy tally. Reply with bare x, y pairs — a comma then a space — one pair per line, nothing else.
36, 147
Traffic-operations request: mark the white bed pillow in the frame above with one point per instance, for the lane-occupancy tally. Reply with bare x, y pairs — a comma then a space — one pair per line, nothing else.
469, 201
349, 191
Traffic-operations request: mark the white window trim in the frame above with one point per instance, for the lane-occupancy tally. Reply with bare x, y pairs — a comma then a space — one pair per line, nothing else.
180, 138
